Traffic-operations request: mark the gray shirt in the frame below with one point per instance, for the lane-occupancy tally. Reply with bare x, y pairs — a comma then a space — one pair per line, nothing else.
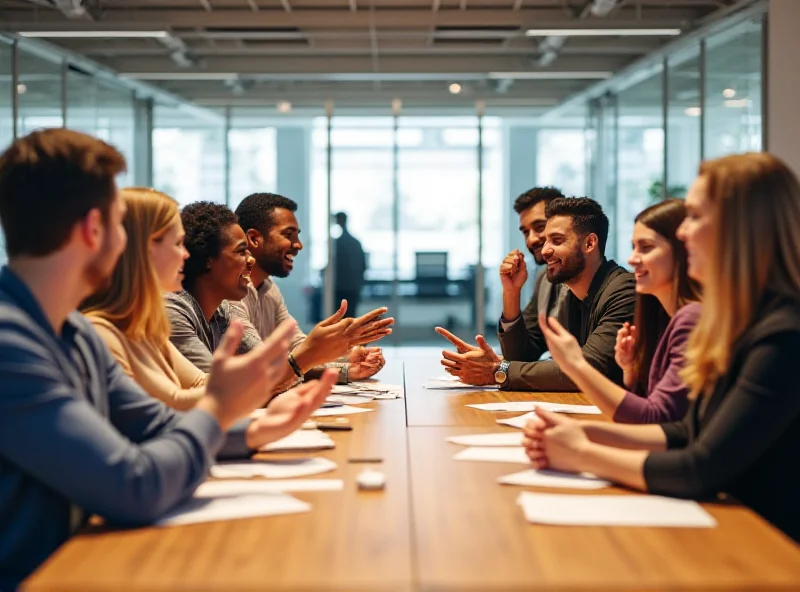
79, 437
197, 338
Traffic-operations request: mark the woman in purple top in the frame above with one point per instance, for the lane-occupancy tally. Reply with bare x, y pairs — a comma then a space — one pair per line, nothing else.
650, 352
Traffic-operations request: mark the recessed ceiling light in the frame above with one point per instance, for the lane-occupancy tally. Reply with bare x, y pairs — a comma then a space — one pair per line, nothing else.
693, 111
96, 34
728, 93
455, 88
284, 107
602, 32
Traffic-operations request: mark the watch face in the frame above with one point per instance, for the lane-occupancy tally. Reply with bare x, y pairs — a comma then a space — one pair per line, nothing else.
500, 377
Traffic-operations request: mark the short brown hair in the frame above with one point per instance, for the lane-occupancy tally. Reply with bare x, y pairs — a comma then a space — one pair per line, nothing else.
49, 180
533, 196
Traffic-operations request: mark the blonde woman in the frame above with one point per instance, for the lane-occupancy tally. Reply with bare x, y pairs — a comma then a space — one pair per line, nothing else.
741, 434
130, 315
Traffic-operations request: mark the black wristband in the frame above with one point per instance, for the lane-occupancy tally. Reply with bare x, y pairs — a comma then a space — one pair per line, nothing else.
295, 367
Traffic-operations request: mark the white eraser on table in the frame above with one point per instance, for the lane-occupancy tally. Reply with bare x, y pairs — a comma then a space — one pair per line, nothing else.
369, 479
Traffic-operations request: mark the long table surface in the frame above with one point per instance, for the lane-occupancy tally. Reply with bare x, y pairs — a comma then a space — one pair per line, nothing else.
439, 524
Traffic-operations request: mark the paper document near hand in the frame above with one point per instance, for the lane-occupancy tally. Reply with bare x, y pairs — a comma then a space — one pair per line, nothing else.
613, 510
228, 500
498, 439
369, 388
349, 399
517, 422
273, 469
509, 454
548, 478
511, 406
334, 411
448, 383
301, 440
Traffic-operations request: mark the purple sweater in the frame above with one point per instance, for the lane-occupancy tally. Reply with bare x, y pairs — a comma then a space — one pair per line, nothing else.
666, 398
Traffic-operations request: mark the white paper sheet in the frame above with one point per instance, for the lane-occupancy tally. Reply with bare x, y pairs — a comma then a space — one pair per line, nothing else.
498, 439
273, 469
334, 411
517, 422
531, 405
371, 389
509, 454
228, 500
548, 478
613, 510
454, 384
301, 440
349, 399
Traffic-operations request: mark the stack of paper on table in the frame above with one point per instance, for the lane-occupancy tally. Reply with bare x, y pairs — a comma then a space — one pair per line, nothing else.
227, 500
510, 454
499, 439
613, 510
349, 399
369, 388
334, 411
273, 469
511, 406
447, 382
550, 478
301, 440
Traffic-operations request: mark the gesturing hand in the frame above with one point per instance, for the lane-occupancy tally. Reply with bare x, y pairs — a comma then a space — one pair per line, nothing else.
238, 384
561, 343
624, 348
287, 412
472, 364
365, 362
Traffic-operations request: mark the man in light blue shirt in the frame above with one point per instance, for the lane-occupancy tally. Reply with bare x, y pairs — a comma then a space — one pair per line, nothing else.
77, 436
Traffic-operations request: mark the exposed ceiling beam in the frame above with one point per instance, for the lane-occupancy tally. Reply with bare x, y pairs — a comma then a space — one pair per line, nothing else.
384, 18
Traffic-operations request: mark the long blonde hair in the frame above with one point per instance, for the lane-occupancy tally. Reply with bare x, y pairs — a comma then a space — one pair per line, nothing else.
134, 302
755, 199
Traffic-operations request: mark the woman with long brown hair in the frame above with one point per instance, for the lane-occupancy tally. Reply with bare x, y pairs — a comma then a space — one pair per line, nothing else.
741, 434
650, 352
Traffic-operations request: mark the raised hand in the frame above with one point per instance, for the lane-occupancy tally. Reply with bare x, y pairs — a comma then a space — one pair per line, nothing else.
287, 412
238, 384
625, 346
562, 344
476, 365
365, 362
513, 271
333, 337
460, 345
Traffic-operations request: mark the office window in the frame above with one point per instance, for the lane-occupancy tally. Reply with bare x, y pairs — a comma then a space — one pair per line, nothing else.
189, 154
640, 144
683, 121
253, 162
733, 91
561, 160
39, 92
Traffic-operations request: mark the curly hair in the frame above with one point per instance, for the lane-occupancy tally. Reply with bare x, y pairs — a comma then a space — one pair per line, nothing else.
204, 223
533, 196
255, 211
587, 217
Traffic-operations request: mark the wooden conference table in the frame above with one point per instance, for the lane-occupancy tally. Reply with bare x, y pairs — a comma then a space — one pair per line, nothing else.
439, 524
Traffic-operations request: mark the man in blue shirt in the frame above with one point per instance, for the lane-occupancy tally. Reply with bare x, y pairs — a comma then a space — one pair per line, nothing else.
77, 436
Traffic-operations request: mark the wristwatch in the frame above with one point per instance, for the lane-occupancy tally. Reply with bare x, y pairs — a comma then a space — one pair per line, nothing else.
501, 374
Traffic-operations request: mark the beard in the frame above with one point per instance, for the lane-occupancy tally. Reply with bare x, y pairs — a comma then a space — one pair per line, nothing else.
271, 263
99, 272
571, 267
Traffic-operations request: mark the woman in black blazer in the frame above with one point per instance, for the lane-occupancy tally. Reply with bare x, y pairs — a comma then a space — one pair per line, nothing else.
741, 435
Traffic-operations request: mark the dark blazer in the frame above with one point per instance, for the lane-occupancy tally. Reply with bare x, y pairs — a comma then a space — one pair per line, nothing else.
744, 439
594, 322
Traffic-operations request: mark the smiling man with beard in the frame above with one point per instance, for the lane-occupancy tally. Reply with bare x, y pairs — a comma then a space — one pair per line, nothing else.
273, 237
600, 297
